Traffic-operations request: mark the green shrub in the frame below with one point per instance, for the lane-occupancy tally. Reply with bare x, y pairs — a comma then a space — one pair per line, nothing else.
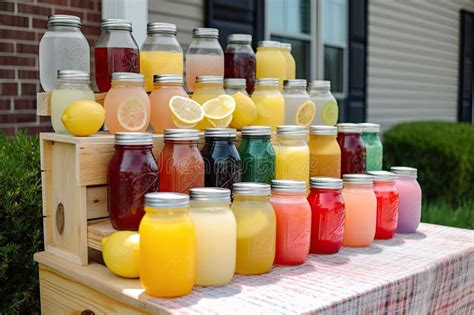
441, 212
20, 223
442, 152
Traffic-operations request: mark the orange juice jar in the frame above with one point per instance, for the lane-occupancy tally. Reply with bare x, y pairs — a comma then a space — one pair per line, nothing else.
127, 106
167, 245
325, 153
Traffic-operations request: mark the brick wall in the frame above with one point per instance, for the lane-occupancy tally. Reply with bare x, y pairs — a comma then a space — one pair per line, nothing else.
22, 24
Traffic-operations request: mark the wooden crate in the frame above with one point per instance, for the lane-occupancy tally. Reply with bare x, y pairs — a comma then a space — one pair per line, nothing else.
43, 102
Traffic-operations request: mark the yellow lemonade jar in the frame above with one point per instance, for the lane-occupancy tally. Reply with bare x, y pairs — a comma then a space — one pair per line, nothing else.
160, 53
289, 61
167, 245
207, 87
270, 62
270, 103
325, 153
292, 153
256, 228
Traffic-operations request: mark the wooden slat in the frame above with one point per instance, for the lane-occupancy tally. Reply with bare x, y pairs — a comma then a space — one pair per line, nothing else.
97, 230
97, 202
43, 102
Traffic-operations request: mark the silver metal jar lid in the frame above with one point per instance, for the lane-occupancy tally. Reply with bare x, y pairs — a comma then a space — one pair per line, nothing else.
181, 134
348, 127
291, 130
318, 84
168, 78
269, 43
403, 170
116, 24
234, 83
325, 182
210, 194
251, 189
64, 20
206, 32
73, 75
267, 82
370, 127
285, 46
133, 138
361, 179
323, 130
220, 133
166, 200
161, 28
239, 38
128, 76
249, 131
209, 79
383, 176
286, 185
295, 83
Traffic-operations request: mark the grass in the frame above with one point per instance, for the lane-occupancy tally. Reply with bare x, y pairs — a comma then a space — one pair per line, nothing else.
443, 213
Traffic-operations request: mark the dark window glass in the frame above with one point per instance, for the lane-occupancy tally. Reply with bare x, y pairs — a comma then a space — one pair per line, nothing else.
289, 16
334, 67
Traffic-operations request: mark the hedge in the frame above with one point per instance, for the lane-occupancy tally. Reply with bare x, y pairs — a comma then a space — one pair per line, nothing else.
443, 153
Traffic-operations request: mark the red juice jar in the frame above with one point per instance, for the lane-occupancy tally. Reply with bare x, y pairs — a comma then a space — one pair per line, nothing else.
239, 59
181, 162
387, 203
293, 217
132, 173
327, 215
352, 149
115, 51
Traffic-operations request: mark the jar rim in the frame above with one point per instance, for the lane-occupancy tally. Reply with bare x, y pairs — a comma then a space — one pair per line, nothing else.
205, 32
64, 20
404, 171
357, 179
133, 138
220, 133
251, 189
348, 128
116, 24
383, 176
323, 130
286, 185
294, 83
248, 131
370, 127
234, 83
210, 194
291, 130
128, 76
166, 200
209, 79
239, 38
168, 78
73, 75
325, 182
181, 134
161, 28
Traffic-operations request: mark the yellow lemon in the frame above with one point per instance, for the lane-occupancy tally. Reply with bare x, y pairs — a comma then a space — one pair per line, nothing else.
245, 111
305, 113
121, 253
83, 117
219, 108
186, 112
220, 123
330, 113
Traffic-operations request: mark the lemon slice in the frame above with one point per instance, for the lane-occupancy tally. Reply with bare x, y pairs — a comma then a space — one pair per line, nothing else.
305, 113
245, 111
186, 112
330, 113
132, 114
221, 123
219, 108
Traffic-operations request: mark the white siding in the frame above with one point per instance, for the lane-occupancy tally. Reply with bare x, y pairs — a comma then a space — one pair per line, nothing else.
413, 57
186, 14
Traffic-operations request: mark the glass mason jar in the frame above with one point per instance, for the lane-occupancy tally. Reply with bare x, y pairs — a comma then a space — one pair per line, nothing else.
240, 59
166, 86
292, 153
233, 86
132, 172
327, 215
293, 217
373, 146
167, 262
387, 204
62, 47
160, 53
222, 163
256, 228
325, 154
72, 86
270, 62
289, 61
115, 51
181, 163
216, 235
409, 191
352, 149
327, 109
206, 88
204, 56
127, 106
269, 102
299, 109
361, 210
257, 155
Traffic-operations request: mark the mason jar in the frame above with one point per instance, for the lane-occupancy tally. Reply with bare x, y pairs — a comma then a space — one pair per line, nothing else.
270, 62
207, 87
240, 59
299, 109
326, 104
269, 102
352, 148
325, 154
373, 146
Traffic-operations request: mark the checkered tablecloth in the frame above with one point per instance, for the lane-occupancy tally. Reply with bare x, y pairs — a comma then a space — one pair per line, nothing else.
428, 272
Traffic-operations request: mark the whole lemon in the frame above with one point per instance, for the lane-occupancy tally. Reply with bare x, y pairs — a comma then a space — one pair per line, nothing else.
83, 117
245, 111
121, 253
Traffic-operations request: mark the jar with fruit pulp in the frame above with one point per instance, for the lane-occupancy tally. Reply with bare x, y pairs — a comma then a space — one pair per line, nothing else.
352, 148
299, 109
327, 109
240, 59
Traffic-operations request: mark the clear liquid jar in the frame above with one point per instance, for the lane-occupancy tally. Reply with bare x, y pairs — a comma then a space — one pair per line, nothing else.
327, 109
161, 53
216, 235
240, 59
167, 263
256, 228
352, 148
289, 61
72, 85
409, 191
204, 56
62, 47
299, 110
206, 88
373, 146
269, 102
270, 62
325, 154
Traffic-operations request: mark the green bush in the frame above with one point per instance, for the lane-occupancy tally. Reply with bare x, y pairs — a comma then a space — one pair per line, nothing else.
441, 212
442, 152
20, 223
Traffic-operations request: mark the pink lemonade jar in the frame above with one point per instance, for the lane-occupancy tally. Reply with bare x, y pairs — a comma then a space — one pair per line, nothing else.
165, 87
293, 217
409, 210
361, 210
327, 215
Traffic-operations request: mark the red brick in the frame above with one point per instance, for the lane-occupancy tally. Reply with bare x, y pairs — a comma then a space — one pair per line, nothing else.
7, 6
60, 2
33, 9
9, 131
37, 130
27, 49
44, 119
6, 47
9, 89
91, 30
16, 117
13, 20
28, 74
25, 104
4, 104
39, 23
14, 34
28, 89
84, 4
17, 61
7, 74
93, 17
69, 12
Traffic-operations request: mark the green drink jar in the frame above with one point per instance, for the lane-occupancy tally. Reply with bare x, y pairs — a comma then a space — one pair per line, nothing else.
373, 146
257, 154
